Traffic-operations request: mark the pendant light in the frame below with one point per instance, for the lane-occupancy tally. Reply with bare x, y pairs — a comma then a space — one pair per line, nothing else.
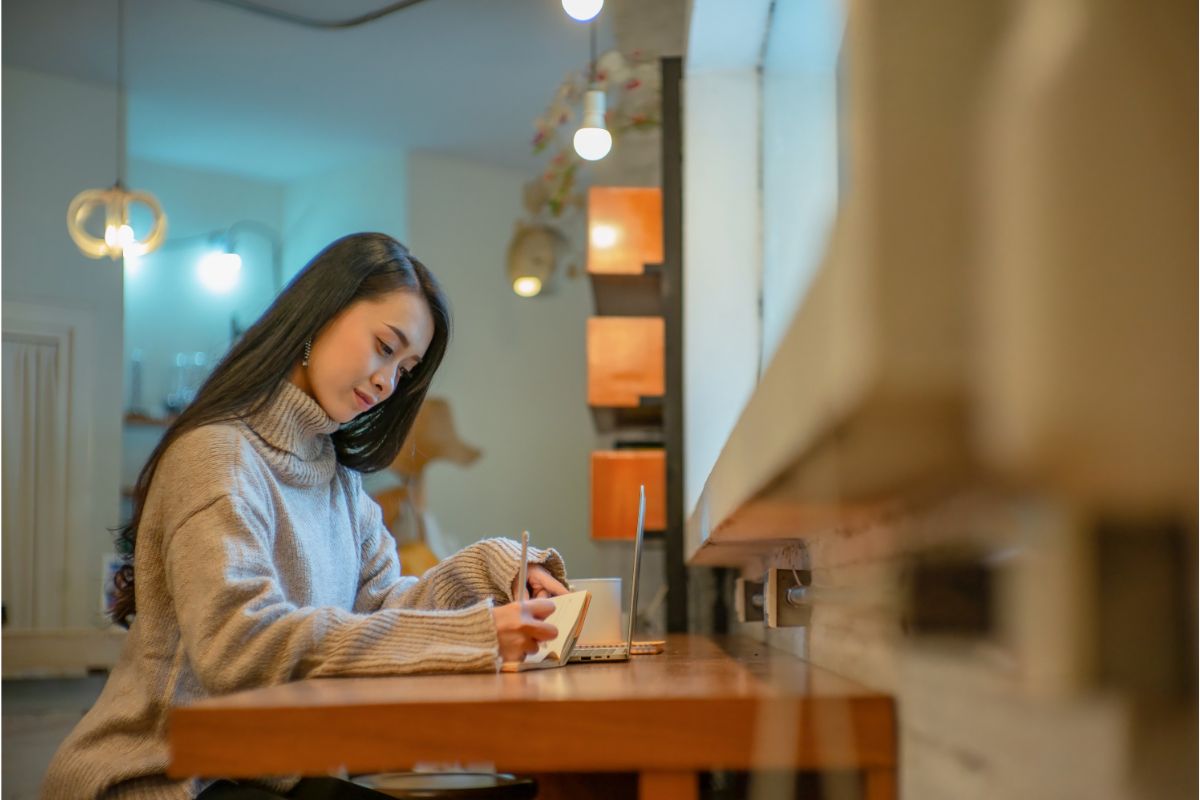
119, 238
582, 10
592, 140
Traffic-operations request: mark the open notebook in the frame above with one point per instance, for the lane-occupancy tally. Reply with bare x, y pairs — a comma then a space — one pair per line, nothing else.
568, 615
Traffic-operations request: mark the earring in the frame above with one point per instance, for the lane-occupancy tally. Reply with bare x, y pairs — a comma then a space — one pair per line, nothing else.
307, 353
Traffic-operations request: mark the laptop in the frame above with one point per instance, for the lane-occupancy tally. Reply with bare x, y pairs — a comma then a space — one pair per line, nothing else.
622, 651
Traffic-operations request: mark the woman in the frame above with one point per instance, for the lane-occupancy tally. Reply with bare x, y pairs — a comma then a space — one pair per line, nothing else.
255, 555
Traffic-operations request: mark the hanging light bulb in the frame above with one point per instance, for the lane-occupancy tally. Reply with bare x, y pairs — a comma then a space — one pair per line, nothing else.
119, 237
592, 140
582, 10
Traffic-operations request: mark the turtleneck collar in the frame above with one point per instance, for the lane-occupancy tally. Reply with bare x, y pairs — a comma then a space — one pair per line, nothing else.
293, 436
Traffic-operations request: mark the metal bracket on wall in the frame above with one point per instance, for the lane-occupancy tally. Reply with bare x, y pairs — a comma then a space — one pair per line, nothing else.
787, 598
949, 594
748, 600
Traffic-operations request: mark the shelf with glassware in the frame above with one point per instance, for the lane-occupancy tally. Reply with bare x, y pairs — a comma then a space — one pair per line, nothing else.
142, 433
145, 422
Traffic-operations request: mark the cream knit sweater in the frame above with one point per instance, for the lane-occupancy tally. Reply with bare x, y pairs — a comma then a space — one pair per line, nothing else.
261, 560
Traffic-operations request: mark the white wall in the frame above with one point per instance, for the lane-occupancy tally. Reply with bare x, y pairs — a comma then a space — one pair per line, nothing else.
58, 139
364, 196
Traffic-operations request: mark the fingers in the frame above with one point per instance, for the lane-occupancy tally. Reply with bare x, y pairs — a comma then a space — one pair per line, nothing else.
542, 581
520, 627
539, 631
538, 609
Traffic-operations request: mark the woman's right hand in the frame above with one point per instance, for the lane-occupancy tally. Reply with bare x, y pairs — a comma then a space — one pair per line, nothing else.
519, 627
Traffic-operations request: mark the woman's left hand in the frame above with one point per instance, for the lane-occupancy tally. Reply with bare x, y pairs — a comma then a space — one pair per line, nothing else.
541, 583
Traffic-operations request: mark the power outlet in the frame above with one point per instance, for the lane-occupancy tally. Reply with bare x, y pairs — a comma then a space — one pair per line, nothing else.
787, 601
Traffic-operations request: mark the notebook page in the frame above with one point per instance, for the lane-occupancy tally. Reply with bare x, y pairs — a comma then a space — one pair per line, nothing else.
565, 617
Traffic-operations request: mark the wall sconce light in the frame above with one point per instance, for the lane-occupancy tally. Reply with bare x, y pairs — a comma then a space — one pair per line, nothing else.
220, 269
533, 257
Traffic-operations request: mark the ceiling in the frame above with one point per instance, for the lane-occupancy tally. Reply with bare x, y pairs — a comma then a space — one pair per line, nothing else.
217, 88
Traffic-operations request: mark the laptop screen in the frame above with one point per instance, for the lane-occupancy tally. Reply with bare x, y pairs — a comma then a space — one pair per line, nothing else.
637, 565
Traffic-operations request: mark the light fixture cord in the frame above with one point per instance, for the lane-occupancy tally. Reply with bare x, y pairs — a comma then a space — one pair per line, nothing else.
320, 24
121, 92
592, 37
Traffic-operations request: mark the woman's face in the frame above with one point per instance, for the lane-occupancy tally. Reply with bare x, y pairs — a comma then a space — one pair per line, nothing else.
363, 353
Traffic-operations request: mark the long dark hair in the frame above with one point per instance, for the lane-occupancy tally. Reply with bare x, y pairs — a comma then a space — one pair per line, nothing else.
355, 267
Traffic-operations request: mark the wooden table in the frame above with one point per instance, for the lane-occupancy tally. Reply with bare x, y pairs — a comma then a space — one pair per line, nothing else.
705, 704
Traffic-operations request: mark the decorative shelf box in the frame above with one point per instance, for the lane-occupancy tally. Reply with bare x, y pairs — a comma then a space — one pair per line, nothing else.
628, 295
616, 475
625, 250
625, 360
625, 229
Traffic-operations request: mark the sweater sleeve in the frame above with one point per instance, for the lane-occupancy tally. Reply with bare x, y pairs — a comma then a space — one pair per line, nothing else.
479, 572
239, 630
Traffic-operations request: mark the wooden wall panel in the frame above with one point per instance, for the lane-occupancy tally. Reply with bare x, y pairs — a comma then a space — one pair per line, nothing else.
625, 360
616, 475
625, 229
